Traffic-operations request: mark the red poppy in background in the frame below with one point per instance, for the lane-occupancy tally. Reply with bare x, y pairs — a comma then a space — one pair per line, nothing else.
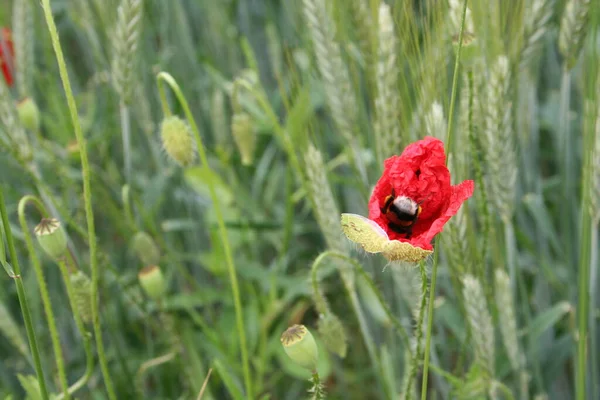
7, 54
419, 173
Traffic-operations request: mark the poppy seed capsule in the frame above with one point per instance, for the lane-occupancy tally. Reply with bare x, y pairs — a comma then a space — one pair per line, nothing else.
153, 282
82, 289
51, 237
300, 346
177, 140
244, 136
145, 248
29, 114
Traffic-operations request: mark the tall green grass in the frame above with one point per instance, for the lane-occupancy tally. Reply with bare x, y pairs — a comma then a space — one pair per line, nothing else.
293, 106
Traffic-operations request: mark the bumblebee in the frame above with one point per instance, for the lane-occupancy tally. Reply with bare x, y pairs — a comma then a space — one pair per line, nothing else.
402, 213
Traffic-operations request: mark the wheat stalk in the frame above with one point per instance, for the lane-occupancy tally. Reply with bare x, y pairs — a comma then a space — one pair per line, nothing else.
336, 78
387, 101
126, 40
507, 319
500, 147
480, 322
23, 38
324, 207
537, 16
573, 28
14, 137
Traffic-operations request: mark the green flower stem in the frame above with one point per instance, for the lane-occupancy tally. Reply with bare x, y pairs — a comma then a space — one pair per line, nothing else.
414, 365
164, 77
437, 239
87, 195
23, 300
583, 303
47, 304
317, 392
315, 282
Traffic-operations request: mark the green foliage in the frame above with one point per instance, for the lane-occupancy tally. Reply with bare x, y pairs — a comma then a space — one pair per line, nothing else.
296, 104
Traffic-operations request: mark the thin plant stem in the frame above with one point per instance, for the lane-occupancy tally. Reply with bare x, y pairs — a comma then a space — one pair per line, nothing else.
593, 287
583, 304
126, 136
23, 300
566, 146
418, 333
437, 239
47, 304
164, 77
87, 195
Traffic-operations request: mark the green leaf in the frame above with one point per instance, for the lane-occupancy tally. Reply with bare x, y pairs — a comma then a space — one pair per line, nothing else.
547, 319
230, 382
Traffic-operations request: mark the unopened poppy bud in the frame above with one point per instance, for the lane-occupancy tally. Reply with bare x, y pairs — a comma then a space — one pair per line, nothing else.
300, 346
177, 140
145, 248
153, 282
244, 136
51, 236
82, 289
333, 334
29, 114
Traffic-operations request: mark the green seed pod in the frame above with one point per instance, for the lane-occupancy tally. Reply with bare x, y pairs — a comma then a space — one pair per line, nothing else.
244, 136
177, 140
333, 334
51, 236
82, 289
300, 346
145, 248
29, 114
153, 282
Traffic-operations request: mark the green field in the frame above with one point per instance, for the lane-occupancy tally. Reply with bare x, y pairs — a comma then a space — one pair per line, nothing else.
181, 181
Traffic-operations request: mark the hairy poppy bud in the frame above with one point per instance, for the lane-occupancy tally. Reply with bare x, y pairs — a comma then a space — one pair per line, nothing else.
333, 334
153, 282
145, 248
82, 288
51, 237
300, 346
29, 114
244, 136
177, 140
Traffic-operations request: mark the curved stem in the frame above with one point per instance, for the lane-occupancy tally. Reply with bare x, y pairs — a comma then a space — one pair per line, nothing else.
437, 239
169, 80
23, 300
87, 195
47, 304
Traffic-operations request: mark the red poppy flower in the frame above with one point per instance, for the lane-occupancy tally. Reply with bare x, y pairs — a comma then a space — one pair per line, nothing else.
7, 54
421, 175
